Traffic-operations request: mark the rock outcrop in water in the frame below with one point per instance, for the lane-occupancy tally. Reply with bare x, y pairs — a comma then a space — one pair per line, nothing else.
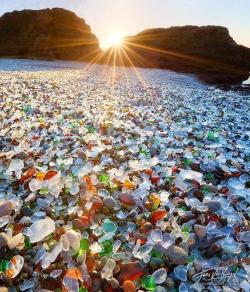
208, 51
46, 34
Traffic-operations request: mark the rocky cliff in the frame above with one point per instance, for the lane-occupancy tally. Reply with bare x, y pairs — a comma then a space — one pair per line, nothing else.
208, 51
50, 33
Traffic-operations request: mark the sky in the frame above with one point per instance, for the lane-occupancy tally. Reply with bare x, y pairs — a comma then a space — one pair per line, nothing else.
111, 19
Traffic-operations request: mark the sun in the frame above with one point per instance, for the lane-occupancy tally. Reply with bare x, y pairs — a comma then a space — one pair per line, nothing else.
115, 40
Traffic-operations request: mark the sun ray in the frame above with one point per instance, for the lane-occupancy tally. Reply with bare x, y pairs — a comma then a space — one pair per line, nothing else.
124, 68
142, 62
107, 61
114, 65
137, 73
199, 60
92, 62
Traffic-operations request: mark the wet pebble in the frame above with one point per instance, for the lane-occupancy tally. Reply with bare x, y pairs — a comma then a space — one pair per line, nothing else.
6, 208
176, 255
213, 205
200, 230
109, 202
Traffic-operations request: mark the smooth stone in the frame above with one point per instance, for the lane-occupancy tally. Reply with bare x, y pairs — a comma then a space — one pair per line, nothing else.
81, 154
114, 283
107, 270
131, 271
176, 255
129, 286
4, 238
41, 229
6, 208
169, 283
185, 218
74, 239
184, 245
213, 205
109, 202
15, 241
200, 230
127, 199
156, 235
160, 275
181, 273
65, 242
79, 224
22, 155
156, 262
108, 226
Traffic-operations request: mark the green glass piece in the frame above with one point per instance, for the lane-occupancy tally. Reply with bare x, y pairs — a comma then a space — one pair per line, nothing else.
66, 191
234, 269
156, 262
195, 153
4, 264
186, 235
114, 187
26, 108
107, 248
155, 205
83, 289
187, 161
191, 259
56, 141
44, 191
149, 283
51, 236
169, 179
104, 178
51, 242
84, 246
211, 136
156, 254
185, 229
27, 242
145, 152
62, 166
91, 129
209, 176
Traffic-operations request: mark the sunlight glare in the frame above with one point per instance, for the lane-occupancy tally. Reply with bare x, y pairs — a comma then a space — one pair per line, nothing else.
115, 40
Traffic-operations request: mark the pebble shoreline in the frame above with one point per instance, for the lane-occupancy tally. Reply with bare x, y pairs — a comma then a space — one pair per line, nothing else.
121, 180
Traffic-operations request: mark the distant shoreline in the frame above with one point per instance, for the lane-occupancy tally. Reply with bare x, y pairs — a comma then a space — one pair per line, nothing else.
61, 65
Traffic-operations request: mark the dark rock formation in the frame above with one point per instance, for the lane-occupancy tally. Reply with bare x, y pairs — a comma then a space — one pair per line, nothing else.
208, 51
46, 34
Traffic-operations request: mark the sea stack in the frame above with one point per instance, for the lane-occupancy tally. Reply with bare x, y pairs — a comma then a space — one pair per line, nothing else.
46, 34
